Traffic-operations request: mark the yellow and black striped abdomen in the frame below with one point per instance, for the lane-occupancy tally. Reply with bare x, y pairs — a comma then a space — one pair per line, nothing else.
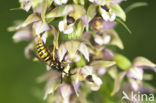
42, 51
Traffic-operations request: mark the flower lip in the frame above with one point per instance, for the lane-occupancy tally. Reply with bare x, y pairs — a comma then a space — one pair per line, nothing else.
60, 2
107, 13
66, 27
115, 1
70, 20
105, 7
89, 78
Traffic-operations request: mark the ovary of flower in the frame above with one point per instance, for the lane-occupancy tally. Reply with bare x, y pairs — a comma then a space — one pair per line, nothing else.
66, 29
102, 39
135, 73
135, 84
75, 59
72, 47
66, 92
60, 2
108, 16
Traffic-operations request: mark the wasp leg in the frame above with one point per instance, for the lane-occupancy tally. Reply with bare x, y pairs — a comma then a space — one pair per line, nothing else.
69, 74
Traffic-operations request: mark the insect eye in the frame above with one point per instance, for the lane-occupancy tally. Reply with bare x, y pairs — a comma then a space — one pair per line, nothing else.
70, 20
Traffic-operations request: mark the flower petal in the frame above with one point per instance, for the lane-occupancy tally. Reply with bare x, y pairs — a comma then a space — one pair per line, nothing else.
144, 63
115, 1
59, 11
65, 90
91, 12
30, 19
41, 27
118, 11
72, 47
116, 39
108, 54
78, 12
24, 34
84, 50
61, 52
76, 87
28, 50
25, 4
135, 73
96, 84
101, 63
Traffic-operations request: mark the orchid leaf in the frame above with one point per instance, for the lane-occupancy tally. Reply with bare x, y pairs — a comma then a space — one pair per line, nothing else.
123, 24
135, 5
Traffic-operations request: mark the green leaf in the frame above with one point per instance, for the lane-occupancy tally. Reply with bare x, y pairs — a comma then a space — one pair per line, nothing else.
17, 9
135, 5
122, 61
123, 24
118, 11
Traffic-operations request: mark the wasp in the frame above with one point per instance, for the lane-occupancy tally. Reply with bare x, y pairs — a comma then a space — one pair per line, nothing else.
43, 54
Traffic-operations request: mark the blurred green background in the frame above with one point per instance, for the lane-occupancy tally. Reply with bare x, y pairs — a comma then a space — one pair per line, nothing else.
18, 75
